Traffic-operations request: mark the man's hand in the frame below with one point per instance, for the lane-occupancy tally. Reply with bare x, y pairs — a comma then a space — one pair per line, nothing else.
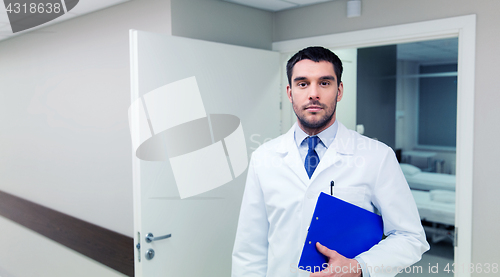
338, 265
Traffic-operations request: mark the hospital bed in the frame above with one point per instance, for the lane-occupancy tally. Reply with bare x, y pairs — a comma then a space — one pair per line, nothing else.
437, 208
434, 194
436, 205
427, 181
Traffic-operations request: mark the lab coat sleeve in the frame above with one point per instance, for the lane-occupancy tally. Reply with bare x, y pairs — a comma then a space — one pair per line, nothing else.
405, 241
250, 250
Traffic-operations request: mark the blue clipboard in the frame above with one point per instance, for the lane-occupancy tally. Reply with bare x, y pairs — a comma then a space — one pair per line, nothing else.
340, 226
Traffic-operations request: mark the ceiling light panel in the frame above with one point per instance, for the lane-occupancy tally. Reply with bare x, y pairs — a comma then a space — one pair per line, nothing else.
83, 7
307, 2
268, 5
4, 18
87, 6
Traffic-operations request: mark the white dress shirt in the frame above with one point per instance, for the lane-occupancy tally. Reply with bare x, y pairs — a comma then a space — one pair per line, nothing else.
326, 138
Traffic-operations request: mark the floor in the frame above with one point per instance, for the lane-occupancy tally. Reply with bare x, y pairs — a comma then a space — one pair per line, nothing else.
437, 262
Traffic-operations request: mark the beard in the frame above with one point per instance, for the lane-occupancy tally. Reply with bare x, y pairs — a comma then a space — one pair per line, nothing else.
315, 124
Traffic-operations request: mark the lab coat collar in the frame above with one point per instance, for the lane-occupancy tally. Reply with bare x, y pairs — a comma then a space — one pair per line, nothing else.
343, 144
344, 141
288, 147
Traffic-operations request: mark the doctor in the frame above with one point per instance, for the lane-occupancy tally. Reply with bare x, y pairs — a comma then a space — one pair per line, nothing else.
286, 176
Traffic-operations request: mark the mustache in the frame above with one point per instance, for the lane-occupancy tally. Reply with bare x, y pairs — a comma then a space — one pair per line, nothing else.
314, 103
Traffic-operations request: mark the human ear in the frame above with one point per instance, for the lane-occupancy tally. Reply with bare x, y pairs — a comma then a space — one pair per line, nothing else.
340, 91
289, 93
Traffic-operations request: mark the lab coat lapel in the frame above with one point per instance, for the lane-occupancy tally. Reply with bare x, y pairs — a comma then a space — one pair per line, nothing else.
342, 145
292, 156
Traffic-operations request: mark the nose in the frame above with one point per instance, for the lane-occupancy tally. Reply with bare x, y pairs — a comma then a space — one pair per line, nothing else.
314, 92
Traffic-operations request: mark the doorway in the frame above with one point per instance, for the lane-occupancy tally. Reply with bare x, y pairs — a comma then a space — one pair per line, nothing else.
464, 28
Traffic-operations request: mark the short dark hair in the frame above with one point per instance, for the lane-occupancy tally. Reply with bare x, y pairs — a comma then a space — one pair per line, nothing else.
315, 54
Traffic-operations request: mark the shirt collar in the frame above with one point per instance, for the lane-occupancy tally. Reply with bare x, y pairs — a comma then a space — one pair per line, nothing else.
326, 136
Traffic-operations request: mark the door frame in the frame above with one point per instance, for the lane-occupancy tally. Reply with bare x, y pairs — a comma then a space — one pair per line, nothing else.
463, 27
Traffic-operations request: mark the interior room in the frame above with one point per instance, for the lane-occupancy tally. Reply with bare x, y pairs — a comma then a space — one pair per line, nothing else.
67, 194
419, 80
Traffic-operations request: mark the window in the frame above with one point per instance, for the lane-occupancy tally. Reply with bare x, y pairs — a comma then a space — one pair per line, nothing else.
437, 105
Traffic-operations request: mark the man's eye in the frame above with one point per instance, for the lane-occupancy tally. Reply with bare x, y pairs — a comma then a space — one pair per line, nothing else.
325, 83
301, 85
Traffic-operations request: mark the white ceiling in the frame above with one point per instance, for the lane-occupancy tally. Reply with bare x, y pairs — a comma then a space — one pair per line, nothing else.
432, 51
443, 50
276, 5
83, 7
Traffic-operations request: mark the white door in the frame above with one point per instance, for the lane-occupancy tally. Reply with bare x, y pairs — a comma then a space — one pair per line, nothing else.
237, 81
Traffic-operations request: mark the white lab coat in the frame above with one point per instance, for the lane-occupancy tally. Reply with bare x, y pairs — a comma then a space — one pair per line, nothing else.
279, 201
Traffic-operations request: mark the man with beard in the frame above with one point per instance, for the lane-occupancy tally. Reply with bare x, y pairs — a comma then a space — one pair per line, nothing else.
319, 154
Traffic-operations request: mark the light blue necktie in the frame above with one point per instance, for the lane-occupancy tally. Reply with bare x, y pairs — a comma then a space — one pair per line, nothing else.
312, 158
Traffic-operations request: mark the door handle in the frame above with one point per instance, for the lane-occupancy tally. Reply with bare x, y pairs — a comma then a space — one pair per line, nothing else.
150, 237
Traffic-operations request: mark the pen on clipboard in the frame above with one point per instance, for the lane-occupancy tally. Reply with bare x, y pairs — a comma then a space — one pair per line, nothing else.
332, 183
